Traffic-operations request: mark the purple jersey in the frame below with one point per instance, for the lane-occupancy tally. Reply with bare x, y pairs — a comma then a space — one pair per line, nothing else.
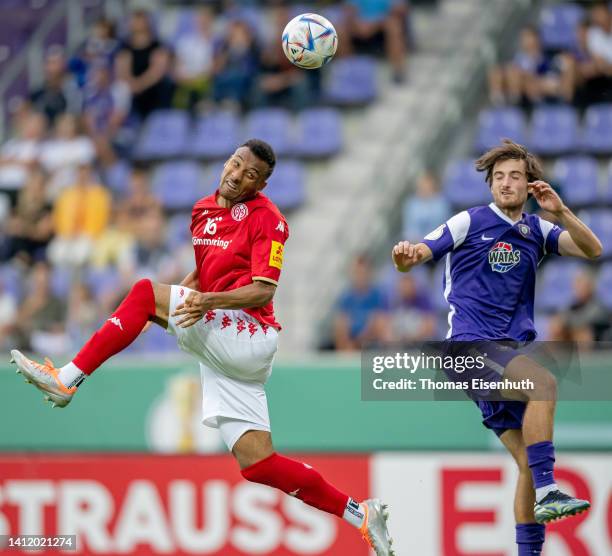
491, 265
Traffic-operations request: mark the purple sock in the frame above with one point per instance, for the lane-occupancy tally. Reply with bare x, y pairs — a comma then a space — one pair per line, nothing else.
530, 538
541, 458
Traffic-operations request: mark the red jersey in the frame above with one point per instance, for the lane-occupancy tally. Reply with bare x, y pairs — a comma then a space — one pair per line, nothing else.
238, 245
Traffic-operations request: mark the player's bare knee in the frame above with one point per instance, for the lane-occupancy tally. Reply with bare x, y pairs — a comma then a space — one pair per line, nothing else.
545, 387
252, 447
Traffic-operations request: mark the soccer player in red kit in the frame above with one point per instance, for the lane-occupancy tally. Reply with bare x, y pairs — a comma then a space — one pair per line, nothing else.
222, 314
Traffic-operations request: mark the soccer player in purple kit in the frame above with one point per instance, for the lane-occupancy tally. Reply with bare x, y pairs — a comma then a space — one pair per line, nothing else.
492, 253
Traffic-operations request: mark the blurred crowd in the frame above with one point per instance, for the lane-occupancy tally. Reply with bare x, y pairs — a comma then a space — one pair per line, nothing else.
70, 245
381, 308
578, 73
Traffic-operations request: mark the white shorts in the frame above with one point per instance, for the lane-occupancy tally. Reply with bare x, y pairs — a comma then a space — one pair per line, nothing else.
235, 353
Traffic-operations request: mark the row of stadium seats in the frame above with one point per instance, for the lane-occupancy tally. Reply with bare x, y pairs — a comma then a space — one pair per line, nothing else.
577, 176
554, 288
315, 133
177, 183
554, 130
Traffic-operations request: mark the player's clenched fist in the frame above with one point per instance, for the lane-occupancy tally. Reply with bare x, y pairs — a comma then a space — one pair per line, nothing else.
406, 255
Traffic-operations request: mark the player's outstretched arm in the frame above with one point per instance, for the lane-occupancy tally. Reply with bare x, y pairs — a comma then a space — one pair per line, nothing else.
405, 255
577, 240
256, 294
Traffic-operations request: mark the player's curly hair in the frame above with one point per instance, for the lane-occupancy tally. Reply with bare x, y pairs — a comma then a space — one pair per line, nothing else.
509, 150
263, 151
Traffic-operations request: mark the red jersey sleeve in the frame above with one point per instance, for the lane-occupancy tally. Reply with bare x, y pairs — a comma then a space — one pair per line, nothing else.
269, 233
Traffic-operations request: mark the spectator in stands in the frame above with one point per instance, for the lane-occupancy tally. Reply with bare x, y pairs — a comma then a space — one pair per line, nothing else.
411, 316
114, 246
59, 92
41, 315
359, 318
236, 63
80, 215
586, 320
280, 82
582, 64
374, 23
106, 108
143, 62
8, 317
61, 154
194, 61
19, 155
139, 202
30, 227
150, 256
532, 76
98, 49
599, 44
426, 206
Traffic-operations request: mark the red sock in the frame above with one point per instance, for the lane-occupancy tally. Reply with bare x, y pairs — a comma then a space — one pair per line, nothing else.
299, 479
120, 330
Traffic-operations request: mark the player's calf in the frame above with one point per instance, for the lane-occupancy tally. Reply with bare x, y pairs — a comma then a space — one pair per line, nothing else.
260, 464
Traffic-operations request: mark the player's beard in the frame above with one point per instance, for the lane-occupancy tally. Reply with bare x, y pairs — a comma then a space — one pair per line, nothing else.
512, 202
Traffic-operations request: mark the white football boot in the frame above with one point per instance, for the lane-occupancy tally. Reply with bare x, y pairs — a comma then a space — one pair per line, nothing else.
44, 377
374, 528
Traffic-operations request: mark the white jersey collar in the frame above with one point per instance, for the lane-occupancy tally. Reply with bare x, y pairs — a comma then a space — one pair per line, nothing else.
503, 216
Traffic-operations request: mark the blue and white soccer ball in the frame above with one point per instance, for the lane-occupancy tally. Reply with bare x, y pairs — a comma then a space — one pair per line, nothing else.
309, 41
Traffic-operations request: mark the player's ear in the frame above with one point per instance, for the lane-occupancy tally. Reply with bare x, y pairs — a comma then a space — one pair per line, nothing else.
263, 184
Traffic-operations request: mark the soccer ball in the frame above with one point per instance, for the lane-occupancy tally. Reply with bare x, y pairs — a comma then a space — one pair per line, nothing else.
309, 41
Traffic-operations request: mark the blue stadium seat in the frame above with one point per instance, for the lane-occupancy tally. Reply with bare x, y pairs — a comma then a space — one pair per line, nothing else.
577, 176
600, 221
177, 230
287, 185
156, 339
558, 25
164, 135
272, 125
607, 193
12, 280
253, 16
216, 135
178, 185
554, 288
604, 286
496, 124
102, 281
117, 177
554, 130
463, 186
542, 326
319, 133
61, 280
351, 81
597, 138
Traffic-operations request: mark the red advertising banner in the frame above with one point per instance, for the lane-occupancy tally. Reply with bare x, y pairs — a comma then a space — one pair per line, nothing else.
178, 505
465, 503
